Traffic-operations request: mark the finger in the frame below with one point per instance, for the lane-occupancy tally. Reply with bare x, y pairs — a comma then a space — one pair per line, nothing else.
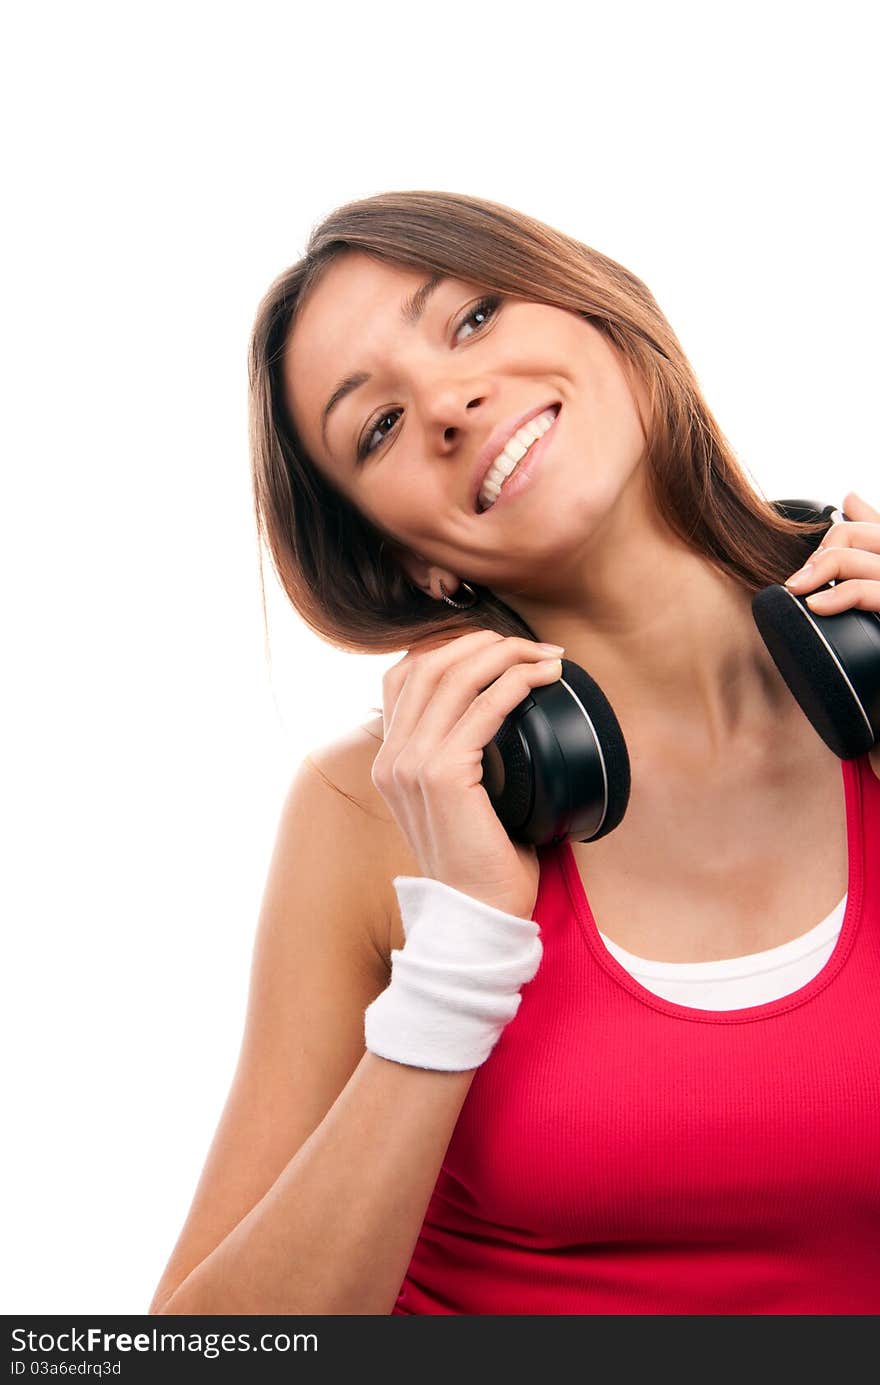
486, 713
859, 593
835, 564
445, 700
858, 508
852, 534
395, 678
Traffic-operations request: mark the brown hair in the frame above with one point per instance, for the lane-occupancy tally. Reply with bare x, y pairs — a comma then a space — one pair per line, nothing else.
337, 567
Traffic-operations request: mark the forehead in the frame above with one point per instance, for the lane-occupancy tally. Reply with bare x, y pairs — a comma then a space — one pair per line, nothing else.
350, 313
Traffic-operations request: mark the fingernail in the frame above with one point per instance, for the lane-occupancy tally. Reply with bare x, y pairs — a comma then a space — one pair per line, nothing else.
553, 648
800, 576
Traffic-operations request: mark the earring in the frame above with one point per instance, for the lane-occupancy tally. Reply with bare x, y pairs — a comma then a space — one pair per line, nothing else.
461, 605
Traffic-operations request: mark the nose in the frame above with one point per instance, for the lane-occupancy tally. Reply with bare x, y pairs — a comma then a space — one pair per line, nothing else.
450, 407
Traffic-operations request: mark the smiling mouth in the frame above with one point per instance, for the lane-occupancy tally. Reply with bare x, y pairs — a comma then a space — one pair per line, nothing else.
479, 506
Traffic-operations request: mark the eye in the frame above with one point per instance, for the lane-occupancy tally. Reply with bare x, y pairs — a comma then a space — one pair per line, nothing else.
486, 308
365, 446
480, 313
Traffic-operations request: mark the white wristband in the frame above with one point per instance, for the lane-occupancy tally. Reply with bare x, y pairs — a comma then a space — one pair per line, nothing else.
455, 984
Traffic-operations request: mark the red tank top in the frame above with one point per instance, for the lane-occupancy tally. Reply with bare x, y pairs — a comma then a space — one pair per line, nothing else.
619, 1153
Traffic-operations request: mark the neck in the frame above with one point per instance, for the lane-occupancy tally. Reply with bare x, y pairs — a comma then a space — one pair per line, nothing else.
668, 637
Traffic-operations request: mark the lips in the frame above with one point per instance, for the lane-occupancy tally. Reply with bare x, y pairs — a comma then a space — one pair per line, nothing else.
496, 442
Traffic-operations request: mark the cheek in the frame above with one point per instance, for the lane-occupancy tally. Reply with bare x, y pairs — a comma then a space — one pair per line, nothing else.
389, 507
605, 435
617, 419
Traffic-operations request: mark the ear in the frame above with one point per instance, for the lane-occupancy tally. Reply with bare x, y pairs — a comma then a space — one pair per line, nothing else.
423, 573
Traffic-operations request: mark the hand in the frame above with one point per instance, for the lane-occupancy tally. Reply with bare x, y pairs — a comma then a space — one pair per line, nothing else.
850, 555
440, 708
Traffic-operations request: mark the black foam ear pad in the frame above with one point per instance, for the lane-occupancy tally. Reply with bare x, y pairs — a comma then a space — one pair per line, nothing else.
811, 656
611, 742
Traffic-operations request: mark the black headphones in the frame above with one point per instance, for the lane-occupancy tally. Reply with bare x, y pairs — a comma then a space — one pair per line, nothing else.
558, 769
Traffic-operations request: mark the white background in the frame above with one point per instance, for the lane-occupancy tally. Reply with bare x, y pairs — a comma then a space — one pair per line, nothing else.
163, 163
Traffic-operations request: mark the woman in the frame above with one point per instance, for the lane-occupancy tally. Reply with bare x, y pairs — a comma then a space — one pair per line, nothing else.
579, 1142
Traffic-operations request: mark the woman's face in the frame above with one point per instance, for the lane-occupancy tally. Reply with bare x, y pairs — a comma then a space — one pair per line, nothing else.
426, 396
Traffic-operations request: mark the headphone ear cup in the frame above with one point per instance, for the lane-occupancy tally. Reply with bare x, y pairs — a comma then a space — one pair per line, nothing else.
831, 665
557, 769
611, 746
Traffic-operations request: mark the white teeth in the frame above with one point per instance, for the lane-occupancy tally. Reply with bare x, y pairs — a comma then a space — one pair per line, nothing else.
514, 451
506, 462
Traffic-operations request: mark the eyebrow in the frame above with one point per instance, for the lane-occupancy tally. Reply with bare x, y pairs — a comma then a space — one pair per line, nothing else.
411, 311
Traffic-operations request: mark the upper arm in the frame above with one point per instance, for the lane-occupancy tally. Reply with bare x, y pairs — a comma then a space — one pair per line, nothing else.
318, 960
874, 757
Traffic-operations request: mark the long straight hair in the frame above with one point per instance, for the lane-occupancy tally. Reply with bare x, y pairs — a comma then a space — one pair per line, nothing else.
338, 568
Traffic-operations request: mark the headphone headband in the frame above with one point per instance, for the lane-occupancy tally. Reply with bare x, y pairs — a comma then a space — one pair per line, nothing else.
809, 510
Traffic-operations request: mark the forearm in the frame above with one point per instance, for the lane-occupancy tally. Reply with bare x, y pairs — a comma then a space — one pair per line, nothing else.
336, 1231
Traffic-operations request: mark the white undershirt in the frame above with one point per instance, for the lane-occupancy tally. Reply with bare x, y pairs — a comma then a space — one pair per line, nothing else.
737, 982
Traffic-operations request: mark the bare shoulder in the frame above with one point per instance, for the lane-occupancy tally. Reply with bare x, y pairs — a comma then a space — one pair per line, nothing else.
320, 957
346, 762
874, 757
368, 833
